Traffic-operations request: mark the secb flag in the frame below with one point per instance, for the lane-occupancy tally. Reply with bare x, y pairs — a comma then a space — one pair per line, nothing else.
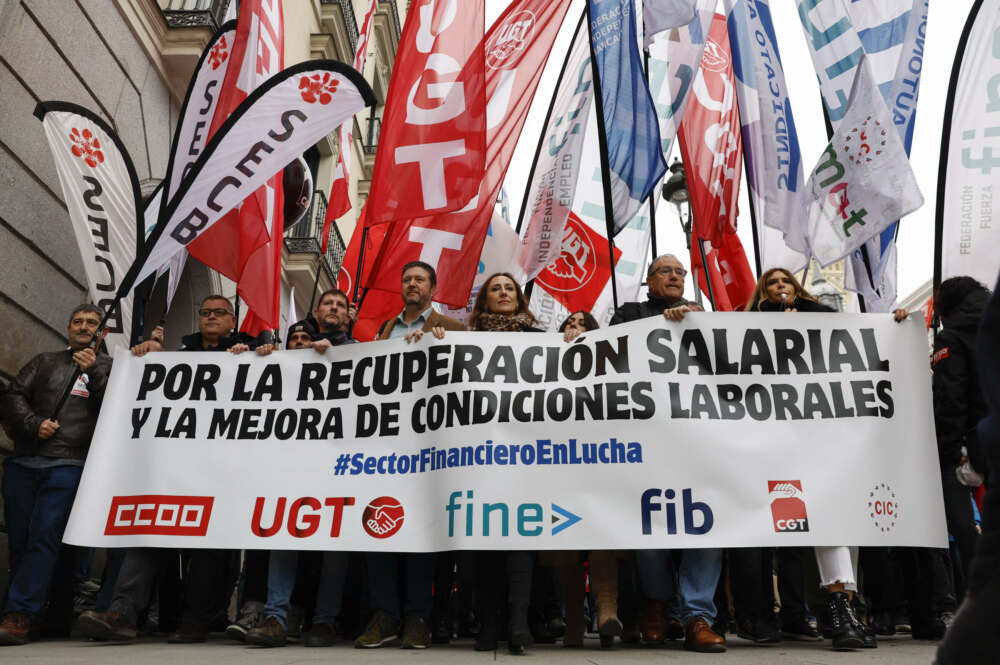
863, 181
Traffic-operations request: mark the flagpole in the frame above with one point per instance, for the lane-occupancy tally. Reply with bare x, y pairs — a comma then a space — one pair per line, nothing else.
949, 108
652, 207
361, 266
708, 274
753, 227
602, 139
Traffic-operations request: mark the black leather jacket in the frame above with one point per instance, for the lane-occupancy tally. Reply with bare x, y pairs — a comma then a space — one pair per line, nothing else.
633, 311
33, 395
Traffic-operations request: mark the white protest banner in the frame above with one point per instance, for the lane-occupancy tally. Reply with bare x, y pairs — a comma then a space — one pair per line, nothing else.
721, 431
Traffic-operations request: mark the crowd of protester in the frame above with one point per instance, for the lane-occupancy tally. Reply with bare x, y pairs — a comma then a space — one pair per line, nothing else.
376, 599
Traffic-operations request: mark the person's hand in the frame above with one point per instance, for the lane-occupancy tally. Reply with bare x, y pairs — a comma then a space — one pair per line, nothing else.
157, 335
264, 349
900, 314
143, 348
352, 312
237, 349
47, 428
85, 358
438, 332
321, 345
572, 333
676, 314
791, 309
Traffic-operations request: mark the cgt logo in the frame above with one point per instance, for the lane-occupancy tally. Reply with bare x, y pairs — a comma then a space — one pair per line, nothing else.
788, 508
159, 514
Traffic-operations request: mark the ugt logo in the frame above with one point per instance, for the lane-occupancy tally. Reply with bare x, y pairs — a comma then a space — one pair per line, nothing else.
788, 509
383, 517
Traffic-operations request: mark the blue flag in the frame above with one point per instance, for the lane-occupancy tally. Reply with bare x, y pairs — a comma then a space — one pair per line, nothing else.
634, 157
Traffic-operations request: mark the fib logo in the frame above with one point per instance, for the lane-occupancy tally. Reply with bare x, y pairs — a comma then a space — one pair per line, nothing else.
383, 517
788, 508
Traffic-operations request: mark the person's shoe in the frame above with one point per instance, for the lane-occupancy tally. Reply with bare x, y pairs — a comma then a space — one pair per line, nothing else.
188, 633
631, 634
14, 629
267, 633
557, 626
486, 638
699, 636
883, 624
250, 614
798, 627
541, 634
293, 627
653, 622
382, 629
416, 633
758, 632
608, 630
321, 635
868, 636
108, 625
441, 632
674, 629
844, 627
519, 641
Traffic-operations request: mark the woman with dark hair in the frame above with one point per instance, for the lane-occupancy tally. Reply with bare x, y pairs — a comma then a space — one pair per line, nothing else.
777, 290
501, 306
576, 323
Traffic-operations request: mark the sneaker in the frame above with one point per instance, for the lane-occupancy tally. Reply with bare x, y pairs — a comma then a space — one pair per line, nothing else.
758, 632
321, 635
268, 633
108, 625
14, 629
248, 618
381, 629
416, 633
188, 633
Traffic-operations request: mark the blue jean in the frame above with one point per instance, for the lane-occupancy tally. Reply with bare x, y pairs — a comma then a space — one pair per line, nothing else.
688, 591
281, 581
36, 507
382, 583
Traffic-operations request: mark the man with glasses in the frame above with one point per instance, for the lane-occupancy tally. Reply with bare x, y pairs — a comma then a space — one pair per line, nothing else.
690, 590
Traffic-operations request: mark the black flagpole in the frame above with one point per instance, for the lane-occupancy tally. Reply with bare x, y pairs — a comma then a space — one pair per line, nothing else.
949, 108
602, 137
652, 197
708, 275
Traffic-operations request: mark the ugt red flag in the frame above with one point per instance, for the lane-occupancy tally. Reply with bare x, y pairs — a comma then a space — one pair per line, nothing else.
712, 152
431, 151
245, 245
516, 47
378, 305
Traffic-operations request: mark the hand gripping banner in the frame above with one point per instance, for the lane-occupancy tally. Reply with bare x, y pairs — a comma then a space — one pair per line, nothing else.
749, 430
283, 117
101, 191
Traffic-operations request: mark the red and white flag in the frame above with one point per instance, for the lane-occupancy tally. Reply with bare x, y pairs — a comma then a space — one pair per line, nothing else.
516, 48
432, 144
340, 199
712, 152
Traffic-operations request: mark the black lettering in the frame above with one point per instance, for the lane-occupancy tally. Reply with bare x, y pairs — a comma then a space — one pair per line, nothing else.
655, 345
693, 353
756, 353
723, 365
789, 346
253, 156
844, 350
884, 391
225, 181
286, 124
310, 381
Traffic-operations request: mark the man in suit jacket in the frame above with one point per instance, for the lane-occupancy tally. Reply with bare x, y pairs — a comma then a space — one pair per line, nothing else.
418, 317
419, 282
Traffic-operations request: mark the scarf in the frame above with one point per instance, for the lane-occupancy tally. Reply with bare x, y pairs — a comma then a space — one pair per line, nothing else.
503, 322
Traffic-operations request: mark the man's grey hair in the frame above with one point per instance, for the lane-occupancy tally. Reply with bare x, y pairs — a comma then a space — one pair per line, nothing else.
649, 270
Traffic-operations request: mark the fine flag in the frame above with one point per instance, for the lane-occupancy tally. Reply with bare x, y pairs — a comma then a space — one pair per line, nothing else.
101, 191
517, 47
631, 130
967, 240
863, 181
432, 145
340, 199
662, 15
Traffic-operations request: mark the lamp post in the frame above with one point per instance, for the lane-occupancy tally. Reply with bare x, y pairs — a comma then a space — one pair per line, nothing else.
675, 191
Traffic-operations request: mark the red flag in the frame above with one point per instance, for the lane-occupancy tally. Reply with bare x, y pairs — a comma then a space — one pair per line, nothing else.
712, 152
245, 245
431, 152
340, 200
378, 304
581, 271
516, 49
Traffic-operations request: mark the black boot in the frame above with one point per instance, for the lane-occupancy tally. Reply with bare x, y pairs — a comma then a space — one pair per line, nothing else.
844, 627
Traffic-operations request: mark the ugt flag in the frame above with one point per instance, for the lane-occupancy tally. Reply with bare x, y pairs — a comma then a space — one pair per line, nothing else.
633, 134
863, 181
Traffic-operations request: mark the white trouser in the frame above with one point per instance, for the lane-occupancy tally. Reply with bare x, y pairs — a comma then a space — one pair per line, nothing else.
838, 564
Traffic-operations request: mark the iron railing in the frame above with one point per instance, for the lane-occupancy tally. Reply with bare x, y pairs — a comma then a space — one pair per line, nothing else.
194, 13
347, 9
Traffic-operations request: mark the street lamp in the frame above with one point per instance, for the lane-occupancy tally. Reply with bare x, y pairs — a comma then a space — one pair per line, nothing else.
675, 191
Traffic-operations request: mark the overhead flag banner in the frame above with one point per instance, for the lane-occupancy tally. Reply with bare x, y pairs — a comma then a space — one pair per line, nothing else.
770, 141
968, 218
517, 47
661, 15
101, 192
863, 181
634, 158
553, 189
432, 145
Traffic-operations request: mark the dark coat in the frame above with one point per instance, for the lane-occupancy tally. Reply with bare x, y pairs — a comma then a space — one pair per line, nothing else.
653, 306
193, 342
799, 304
33, 395
958, 399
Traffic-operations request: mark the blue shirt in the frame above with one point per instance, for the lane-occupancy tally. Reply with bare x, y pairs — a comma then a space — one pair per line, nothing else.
402, 329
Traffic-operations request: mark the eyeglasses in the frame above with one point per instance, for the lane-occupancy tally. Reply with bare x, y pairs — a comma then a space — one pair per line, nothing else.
219, 312
666, 270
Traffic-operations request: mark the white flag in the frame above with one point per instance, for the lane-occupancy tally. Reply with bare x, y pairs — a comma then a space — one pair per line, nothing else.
661, 15
863, 181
